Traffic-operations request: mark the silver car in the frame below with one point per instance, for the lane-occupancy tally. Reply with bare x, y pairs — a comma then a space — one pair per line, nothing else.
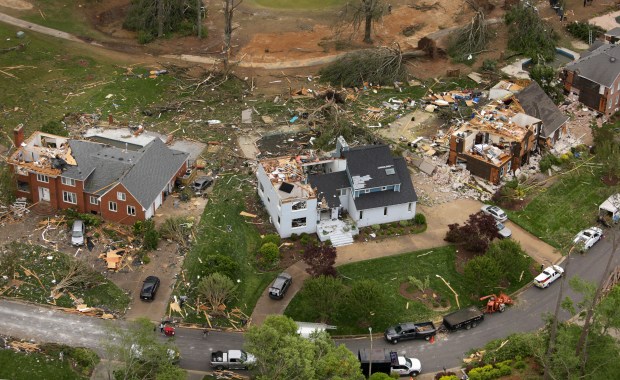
495, 212
503, 231
77, 233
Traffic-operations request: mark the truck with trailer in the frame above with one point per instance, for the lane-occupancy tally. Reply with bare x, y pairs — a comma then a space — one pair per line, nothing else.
410, 330
388, 362
231, 359
463, 319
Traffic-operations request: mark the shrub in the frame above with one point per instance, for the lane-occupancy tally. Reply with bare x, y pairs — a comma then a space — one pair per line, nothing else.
304, 239
294, 237
483, 274
55, 127
376, 227
419, 219
145, 37
403, 223
450, 377
271, 238
547, 161
581, 30
421, 285
268, 255
151, 236
489, 65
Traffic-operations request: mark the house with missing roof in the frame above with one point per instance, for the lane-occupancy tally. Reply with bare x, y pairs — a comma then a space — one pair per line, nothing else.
121, 185
499, 137
595, 79
309, 194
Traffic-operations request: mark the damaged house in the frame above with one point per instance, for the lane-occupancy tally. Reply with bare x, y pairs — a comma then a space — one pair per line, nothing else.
595, 79
307, 194
497, 139
121, 185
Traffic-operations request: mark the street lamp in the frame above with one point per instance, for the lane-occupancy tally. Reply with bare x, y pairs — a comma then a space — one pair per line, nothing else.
370, 356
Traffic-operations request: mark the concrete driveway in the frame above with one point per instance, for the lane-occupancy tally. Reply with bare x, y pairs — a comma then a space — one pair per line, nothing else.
438, 218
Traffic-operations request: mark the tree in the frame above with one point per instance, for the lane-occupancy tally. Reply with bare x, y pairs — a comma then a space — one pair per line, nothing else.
476, 234
364, 300
282, 354
324, 294
607, 311
156, 18
321, 260
141, 354
512, 259
380, 376
366, 12
483, 273
268, 255
547, 79
217, 288
607, 150
529, 34
229, 9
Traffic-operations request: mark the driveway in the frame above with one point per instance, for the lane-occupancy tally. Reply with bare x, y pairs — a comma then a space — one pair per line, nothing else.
438, 218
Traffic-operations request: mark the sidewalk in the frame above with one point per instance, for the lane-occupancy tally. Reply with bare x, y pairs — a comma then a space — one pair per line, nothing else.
438, 219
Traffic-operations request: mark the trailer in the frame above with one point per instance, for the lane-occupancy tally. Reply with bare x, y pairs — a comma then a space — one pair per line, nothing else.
463, 319
388, 362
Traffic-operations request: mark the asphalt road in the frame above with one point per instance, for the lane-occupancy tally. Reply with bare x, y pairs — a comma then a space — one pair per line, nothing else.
39, 323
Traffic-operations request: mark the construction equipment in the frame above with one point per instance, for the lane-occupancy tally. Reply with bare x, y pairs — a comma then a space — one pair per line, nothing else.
496, 303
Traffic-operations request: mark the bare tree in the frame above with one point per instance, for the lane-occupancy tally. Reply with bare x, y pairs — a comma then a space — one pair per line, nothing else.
363, 12
229, 10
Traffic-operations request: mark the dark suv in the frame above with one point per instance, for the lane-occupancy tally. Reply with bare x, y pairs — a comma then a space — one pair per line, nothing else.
149, 288
280, 286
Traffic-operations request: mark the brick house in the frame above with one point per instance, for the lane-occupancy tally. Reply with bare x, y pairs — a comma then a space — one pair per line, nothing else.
121, 185
595, 79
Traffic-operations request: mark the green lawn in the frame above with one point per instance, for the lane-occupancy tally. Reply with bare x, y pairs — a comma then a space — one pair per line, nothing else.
299, 4
391, 272
223, 231
568, 206
45, 268
77, 364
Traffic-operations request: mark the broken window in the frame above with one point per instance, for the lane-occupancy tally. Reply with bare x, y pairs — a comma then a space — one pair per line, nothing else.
299, 222
131, 210
301, 205
23, 186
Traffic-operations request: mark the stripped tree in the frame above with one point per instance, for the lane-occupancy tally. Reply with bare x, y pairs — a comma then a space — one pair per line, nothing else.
229, 9
365, 12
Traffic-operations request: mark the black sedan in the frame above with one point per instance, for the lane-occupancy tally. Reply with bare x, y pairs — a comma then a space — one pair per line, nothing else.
149, 288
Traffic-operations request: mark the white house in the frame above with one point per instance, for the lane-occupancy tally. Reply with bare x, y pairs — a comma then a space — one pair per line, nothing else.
305, 194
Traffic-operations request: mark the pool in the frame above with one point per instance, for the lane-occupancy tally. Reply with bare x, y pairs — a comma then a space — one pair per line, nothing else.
562, 57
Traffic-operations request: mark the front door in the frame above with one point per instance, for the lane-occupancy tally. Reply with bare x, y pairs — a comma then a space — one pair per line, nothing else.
44, 194
334, 213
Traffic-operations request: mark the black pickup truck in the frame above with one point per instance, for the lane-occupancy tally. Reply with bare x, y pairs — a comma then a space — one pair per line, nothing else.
410, 330
463, 319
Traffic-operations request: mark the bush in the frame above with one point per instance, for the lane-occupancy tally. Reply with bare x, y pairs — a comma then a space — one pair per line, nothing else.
271, 238
376, 227
419, 219
294, 237
55, 127
581, 30
483, 273
520, 345
547, 161
421, 285
304, 239
403, 223
511, 257
489, 65
145, 37
268, 255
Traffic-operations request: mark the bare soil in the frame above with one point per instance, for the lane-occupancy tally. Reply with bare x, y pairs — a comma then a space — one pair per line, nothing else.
16, 4
428, 297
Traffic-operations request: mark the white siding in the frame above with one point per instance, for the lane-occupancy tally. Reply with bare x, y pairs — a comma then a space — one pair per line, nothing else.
376, 215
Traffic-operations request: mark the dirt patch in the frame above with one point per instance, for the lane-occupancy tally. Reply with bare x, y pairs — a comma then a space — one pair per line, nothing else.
610, 179
462, 257
16, 4
428, 297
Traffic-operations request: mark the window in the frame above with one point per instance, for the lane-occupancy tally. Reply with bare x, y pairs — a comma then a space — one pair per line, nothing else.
278, 219
367, 191
120, 196
385, 211
67, 181
383, 188
94, 200
361, 214
261, 188
343, 192
299, 222
300, 205
68, 197
112, 206
409, 206
131, 210
43, 178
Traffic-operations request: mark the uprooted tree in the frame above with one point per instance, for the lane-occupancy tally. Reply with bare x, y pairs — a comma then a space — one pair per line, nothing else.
529, 34
470, 40
77, 276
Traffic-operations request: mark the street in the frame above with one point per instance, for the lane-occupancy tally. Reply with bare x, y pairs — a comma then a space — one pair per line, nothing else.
41, 324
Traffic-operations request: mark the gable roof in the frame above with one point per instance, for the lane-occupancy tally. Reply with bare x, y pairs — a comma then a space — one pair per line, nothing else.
329, 184
615, 32
368, 166
406, 194
601, 66
536, 103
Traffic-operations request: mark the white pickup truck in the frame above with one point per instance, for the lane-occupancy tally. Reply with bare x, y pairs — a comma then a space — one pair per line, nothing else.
231, 359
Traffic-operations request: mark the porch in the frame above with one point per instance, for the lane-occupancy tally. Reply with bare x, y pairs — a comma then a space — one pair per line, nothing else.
340, 232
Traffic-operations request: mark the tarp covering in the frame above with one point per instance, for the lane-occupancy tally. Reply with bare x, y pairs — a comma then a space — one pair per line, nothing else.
612, 205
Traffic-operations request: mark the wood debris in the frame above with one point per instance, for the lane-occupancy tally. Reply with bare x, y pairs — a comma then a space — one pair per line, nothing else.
24, 346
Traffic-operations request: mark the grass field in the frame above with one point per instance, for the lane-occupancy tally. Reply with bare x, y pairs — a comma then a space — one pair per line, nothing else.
568, 206
299, 4
223, 231
391, 272
77, 364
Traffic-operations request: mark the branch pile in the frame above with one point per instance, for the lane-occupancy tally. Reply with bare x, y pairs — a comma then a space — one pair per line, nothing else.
471, 39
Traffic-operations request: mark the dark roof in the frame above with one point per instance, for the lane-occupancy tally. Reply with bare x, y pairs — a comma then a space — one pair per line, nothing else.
602, 66
81, 152
388, 198
536, 103
595, 45
368, 165
329, 184
615, 32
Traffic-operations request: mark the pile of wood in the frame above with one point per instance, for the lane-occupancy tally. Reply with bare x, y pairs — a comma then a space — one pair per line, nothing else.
225, 374
19, 207
24, 346
117, 259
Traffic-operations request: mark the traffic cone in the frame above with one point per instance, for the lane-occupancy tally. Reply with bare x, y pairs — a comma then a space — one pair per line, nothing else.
432, 340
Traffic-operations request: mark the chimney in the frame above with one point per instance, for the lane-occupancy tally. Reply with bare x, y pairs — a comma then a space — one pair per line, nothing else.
18, 135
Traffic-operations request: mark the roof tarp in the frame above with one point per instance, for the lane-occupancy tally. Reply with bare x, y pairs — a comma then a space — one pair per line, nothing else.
612, 205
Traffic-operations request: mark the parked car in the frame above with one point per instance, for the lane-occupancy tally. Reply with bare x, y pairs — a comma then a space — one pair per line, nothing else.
149, 288
77, 233
201, 183
410, 330
495, 212
503, 231
547, 276
280, 286
588, 237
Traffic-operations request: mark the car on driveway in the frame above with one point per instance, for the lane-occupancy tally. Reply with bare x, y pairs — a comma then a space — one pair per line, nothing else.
547, 276
588, 237
201, 183
495, 212
503, 231
280, 286
77, 233
149, 288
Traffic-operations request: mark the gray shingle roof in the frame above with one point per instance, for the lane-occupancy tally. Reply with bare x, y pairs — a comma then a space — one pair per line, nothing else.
536, 103
81, 152
367, 166
602, 66
615, 32
329, 184
388, 198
